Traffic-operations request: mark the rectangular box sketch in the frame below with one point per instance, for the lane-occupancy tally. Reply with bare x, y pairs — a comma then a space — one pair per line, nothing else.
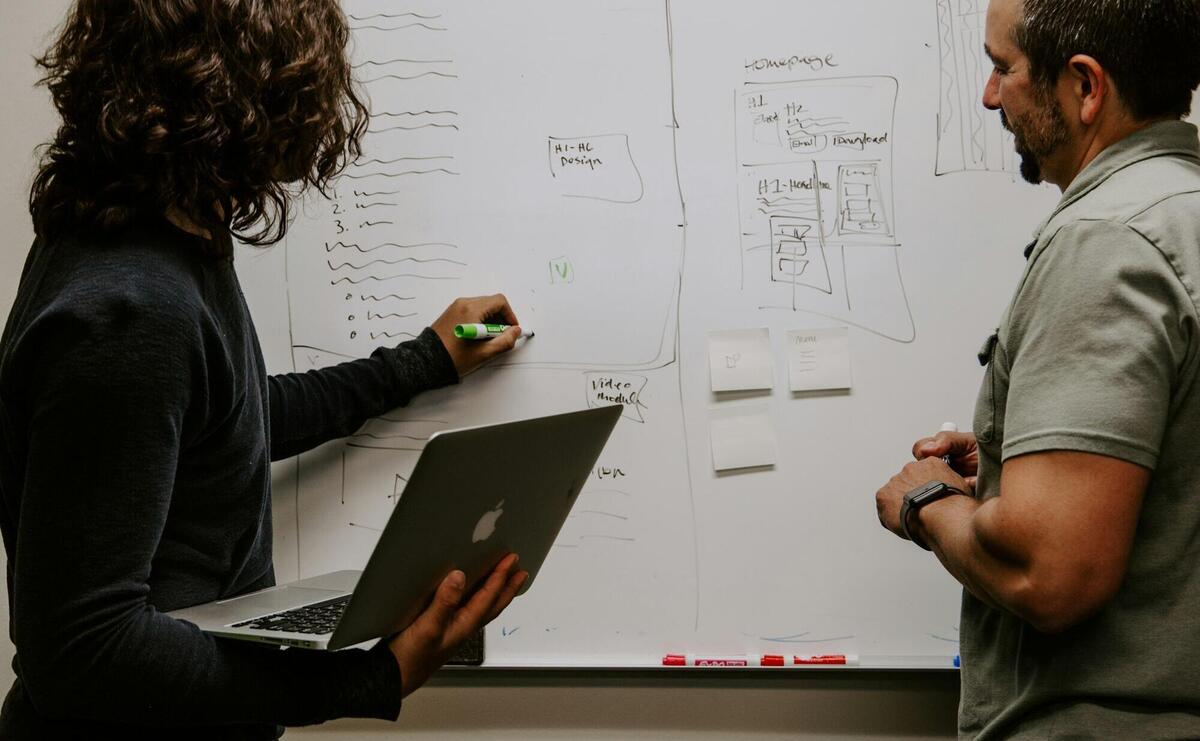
815, 178
969, 136
597, 167
796, 257
861, 195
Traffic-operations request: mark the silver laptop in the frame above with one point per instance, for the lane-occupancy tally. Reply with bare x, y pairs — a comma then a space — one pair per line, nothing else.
475, 495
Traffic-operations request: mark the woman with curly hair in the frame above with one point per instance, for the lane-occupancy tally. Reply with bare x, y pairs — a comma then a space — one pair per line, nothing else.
137, 421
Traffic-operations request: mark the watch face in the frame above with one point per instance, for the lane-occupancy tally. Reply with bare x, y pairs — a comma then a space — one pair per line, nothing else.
927, 492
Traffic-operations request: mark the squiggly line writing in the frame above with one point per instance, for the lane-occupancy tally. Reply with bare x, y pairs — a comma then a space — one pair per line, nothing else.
425, 26
381, 78
394, 15
374, 63
382, 261
400, 174
364, 279
381, 299
386, 114
371, 316
405, 159
414, 128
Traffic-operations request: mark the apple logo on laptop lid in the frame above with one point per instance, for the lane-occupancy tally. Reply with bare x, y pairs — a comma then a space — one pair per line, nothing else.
487, 524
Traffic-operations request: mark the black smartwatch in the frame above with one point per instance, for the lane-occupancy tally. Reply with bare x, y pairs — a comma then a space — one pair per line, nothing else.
919, 497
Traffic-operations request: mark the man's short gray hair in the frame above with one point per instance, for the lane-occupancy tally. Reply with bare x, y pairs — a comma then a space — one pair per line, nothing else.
1150, 48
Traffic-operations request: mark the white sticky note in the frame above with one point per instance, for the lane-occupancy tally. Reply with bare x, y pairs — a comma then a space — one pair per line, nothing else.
742, 437
741, 360
819, 359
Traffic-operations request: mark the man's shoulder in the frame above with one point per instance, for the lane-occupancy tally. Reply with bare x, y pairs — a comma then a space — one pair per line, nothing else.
1159, 202
1150, 204
1165, 187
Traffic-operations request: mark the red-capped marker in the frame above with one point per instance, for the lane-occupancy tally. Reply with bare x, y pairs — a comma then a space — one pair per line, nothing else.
719, 661
723, 661
826, 660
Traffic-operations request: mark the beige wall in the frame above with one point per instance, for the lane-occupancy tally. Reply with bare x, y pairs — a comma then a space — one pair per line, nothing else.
25, 120
508, 705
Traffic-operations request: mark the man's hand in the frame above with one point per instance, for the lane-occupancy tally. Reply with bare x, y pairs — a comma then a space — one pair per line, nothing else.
470, 354
424, 646
889, 499
960, 446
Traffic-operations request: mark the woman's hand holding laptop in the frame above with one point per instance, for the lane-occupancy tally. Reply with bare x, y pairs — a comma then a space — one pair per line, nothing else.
421, 648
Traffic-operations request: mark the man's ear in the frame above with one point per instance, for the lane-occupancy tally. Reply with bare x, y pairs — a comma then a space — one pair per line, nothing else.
1090, 87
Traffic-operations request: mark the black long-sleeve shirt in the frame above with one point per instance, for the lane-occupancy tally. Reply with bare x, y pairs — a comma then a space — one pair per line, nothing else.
137, 426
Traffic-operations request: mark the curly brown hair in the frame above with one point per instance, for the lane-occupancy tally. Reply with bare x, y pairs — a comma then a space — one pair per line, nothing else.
220, 109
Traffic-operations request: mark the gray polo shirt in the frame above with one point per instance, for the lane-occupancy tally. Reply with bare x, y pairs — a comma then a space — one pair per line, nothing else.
1099, 352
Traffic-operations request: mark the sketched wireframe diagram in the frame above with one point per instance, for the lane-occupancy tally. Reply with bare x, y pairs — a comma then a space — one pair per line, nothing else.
815, 189
969, 137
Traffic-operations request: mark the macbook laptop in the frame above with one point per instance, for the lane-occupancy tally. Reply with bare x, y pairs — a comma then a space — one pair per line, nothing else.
475, 495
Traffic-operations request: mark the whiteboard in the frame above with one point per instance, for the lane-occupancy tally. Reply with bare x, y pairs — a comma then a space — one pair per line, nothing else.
633, 175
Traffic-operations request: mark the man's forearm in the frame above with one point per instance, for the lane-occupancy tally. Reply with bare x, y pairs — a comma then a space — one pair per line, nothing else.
1053, 548
952, 528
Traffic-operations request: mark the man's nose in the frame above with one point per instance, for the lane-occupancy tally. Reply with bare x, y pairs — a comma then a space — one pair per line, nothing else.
991, 92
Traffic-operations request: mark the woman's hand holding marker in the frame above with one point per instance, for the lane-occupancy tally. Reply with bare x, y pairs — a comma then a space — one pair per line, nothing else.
485, 331
465, 316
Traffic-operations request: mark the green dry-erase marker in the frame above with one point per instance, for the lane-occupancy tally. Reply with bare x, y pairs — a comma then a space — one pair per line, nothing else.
484, 331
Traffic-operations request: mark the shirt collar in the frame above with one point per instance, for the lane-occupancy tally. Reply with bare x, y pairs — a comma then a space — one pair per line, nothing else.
1156, 140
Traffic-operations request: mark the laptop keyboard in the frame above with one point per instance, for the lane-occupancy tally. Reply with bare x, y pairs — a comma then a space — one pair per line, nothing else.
315, 619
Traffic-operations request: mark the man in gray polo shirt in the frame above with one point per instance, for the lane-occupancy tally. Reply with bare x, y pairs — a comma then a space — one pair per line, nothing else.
1078, 539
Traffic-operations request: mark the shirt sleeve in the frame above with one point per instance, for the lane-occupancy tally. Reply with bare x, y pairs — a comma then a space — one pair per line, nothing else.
109, 396
308, 409
1097, 344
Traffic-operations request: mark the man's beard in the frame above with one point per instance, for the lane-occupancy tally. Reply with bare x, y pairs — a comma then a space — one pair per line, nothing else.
1037, 135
